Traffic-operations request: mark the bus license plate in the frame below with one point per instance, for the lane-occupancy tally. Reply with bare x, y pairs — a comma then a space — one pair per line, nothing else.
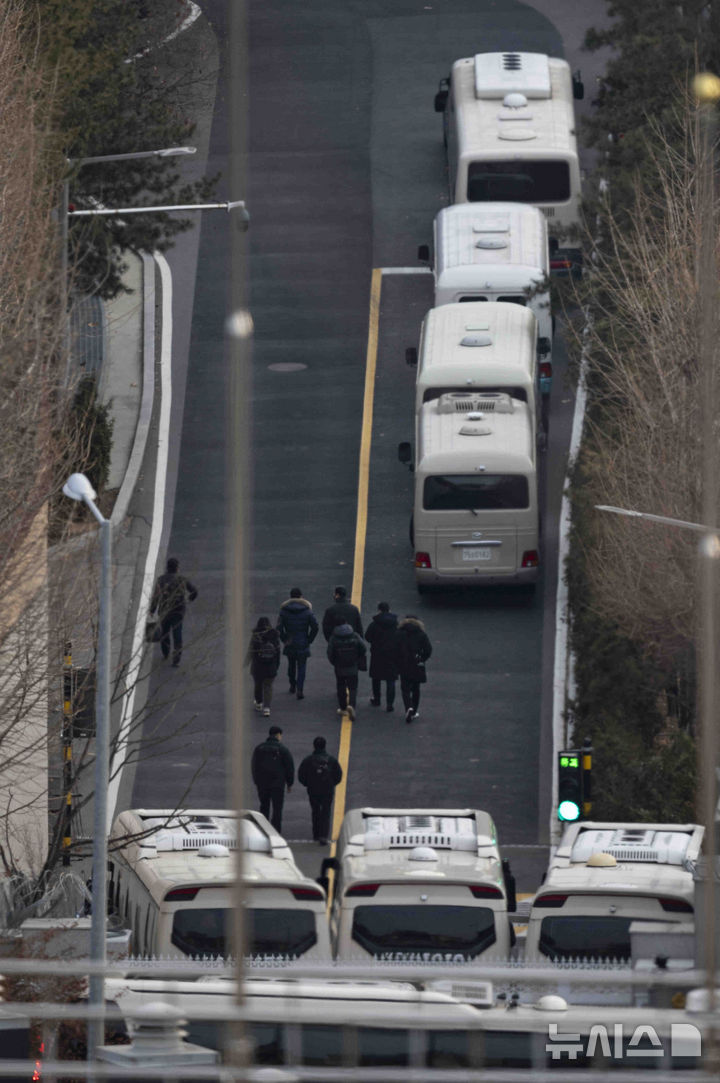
476, 554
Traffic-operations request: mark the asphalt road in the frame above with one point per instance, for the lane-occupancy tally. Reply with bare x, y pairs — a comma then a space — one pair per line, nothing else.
346, 172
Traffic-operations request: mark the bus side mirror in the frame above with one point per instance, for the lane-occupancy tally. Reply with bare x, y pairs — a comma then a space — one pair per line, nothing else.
543, 347
578, 86
424, 253
405, 453
442, 95
411, 356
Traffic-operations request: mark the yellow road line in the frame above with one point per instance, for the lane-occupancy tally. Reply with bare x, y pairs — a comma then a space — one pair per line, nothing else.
360, 529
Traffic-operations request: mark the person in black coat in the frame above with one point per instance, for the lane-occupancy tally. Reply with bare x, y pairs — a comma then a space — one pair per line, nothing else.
320, 773
381, 634
263, 657
169, 598
272, 769
341, 612
412, 652
346, 653
297, 626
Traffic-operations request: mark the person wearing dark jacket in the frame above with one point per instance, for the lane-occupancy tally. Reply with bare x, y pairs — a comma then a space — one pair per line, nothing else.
320, 773
263, 657
341, 612
168, 598
412, 652
346, 653
272, 770
297, 627
381, 634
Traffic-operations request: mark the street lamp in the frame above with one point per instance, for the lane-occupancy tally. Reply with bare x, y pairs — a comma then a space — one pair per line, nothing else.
77, 487
110, 212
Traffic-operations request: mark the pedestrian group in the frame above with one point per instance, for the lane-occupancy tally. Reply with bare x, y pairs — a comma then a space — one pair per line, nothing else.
398, 650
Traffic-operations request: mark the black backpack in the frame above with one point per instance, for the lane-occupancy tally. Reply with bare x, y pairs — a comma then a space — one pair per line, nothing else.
345, 653
266, 651
320, 780
267, 760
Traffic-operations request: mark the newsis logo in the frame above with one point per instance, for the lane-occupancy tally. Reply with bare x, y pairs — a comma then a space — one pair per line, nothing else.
618, 1042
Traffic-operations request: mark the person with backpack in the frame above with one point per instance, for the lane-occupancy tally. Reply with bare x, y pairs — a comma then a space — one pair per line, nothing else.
346, 654
263, 657
320, 773
413, 649
341, 612
168, 597
381, 634
297, 627
272, 770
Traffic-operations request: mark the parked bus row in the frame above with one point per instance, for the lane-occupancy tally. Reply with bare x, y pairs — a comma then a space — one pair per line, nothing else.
425, 885
484, 362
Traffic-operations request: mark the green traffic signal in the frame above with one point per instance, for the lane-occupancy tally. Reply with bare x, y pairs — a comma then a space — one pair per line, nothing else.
570, 786
568, 811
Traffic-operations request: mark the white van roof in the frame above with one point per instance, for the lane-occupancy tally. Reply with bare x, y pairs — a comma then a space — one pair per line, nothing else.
504, 246
196, 847
497, 337
538, 119
653, 858
451, 440
404, 844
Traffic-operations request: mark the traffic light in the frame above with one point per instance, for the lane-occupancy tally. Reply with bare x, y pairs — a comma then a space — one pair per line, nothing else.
570, 785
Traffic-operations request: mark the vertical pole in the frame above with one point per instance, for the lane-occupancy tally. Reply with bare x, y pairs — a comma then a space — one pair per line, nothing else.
239, 339
709, 549
96, 1027
67, 738
587, 752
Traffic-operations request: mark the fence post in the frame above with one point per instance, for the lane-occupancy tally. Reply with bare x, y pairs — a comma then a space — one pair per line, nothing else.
67, 737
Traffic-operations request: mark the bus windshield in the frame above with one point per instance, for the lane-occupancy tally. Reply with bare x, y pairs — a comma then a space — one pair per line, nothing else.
445, 932
270, 932
463, 492
519, 182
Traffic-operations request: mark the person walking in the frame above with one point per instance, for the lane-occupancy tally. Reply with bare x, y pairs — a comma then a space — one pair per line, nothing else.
320, 773
297, 627
272, 770
263, 657
381, 634
413, 649
341, 612
169, 599
346, 654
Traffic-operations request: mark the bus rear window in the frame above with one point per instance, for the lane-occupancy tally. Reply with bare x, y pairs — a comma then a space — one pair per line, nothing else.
431, 393
587, 937
270, 932
519, 182
486, 492
442, 932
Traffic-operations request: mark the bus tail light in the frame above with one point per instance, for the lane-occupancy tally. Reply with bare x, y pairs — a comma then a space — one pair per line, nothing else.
486, 892
362, 890
313, 893
181, 894
530, 558
550, 900
676, 906
422, 560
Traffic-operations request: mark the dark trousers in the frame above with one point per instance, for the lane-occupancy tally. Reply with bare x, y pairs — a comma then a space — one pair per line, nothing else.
272, 795
346, 687
320, 807
389, 691
172, 624
263, 690
410, 693
296, 671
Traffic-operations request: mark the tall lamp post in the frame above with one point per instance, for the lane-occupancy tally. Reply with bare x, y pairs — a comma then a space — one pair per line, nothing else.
77, 487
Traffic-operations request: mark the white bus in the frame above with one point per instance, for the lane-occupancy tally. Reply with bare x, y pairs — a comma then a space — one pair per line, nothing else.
509, 127
420, 884
494, 252
603, 877
172, 880
480, 347
475, 515
450, 1024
